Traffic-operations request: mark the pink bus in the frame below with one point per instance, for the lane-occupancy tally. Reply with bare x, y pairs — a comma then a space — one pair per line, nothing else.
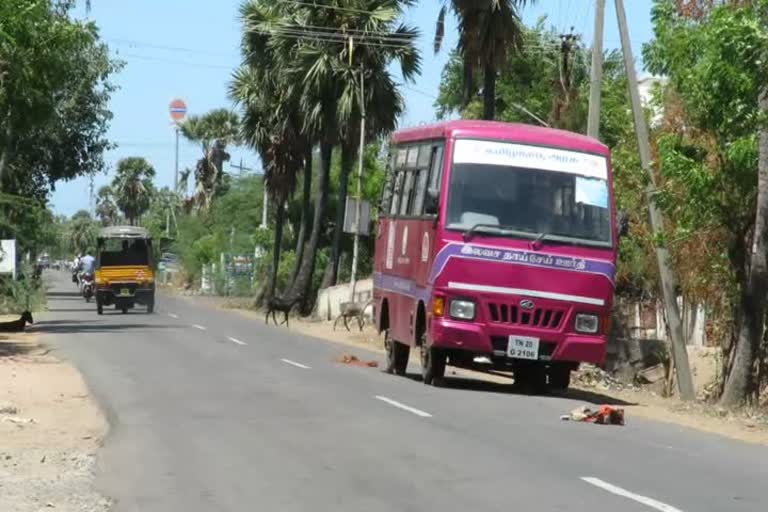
496, 249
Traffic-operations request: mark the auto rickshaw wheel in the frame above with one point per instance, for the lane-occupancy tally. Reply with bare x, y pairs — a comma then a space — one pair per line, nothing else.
150, 307
99, 307
124, 309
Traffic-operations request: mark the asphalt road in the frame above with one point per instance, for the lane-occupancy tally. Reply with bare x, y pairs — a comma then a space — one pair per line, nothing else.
211, 411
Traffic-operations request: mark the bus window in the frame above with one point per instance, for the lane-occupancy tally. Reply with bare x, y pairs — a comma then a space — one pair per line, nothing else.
407, 197
425, 152
389, 181
413, 156
396, 193
421, 191
436, 173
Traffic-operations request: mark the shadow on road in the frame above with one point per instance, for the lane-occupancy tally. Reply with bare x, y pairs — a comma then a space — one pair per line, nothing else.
91, 309
13, 348
485, 386
64, 294
89, 327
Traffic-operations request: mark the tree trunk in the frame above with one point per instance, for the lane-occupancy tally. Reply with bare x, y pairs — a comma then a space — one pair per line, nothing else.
305, 214
489, 93
347, 161
304, 278
754, 291
6, 147
279, 222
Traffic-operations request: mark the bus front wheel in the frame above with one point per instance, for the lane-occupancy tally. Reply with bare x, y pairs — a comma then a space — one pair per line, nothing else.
432, 365
397, 355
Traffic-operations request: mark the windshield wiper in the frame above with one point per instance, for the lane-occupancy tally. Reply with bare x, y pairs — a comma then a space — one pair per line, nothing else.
471, 231
536, 242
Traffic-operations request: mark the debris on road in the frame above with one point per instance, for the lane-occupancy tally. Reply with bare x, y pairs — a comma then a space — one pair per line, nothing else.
604, 415
593, 377
652, 375
354, 361
8, 408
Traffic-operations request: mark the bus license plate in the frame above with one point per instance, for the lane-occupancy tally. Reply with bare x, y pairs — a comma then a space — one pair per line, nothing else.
523, 347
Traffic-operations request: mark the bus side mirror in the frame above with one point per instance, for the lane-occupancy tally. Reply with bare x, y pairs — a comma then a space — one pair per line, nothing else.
622, 224
431, 203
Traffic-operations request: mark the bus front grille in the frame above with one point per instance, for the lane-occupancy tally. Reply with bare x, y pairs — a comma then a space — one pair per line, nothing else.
543, 318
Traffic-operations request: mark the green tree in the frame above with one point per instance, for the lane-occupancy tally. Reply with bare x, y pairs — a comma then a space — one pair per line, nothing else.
54, 94
82, 232
488, 31
214, 131
715, 156
133, 187
106, 208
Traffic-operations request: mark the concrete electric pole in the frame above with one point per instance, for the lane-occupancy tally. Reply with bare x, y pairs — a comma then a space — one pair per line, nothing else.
596, 73
666, 275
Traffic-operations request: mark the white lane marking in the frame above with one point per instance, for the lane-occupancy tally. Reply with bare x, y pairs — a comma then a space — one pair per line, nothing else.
172, 315
199, 327
235, 340
404, 407
529, 293
294, 363
650, 502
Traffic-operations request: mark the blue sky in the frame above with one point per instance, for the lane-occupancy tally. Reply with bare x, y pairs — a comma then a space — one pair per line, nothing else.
187, 49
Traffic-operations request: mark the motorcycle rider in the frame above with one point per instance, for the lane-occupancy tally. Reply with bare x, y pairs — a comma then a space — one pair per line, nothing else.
86, 266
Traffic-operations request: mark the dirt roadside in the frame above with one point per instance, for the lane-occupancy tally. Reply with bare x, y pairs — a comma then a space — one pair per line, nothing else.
50, 430
745, 425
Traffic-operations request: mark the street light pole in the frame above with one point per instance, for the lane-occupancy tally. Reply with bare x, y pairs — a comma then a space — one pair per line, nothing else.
358, 204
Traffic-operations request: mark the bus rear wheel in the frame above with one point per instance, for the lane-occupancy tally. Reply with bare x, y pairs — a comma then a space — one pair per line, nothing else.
397, 355
432, 365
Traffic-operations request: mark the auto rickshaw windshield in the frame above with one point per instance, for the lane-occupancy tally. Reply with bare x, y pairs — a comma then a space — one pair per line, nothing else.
115, 252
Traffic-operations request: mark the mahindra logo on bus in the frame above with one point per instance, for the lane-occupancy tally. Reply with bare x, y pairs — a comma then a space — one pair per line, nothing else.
526, 304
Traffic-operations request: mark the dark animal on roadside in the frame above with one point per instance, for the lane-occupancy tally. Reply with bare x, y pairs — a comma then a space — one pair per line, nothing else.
285, 305
352, 310
17, 325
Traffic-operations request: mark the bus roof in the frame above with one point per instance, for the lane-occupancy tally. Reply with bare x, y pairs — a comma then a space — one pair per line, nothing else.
124, 232
513, 132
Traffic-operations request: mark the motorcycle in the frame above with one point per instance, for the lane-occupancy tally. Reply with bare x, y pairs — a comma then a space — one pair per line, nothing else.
87, 287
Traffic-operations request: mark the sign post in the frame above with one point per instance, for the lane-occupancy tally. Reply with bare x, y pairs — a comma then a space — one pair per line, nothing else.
178, 111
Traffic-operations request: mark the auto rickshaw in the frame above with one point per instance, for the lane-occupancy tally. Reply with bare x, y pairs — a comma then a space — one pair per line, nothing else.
124, 269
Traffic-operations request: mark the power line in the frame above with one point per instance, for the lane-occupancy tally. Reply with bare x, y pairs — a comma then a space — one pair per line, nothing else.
329, 7
142, 44
177, 62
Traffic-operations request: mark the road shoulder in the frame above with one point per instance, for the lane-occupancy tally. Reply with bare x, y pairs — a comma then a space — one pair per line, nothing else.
51, 429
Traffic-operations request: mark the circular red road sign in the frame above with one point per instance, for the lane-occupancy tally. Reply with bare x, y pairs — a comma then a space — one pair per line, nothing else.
178, 110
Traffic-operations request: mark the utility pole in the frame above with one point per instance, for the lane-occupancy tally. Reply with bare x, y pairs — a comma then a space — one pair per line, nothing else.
176, 167
668, 281
567, 42
596, 73
359, 203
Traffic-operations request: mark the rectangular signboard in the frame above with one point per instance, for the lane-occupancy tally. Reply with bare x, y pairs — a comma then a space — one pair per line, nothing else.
365, 217
8, 257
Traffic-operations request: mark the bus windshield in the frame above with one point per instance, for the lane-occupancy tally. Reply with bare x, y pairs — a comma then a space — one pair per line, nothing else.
487, 196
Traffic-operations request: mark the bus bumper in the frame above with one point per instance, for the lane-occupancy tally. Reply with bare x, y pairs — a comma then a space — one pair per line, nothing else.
481, 339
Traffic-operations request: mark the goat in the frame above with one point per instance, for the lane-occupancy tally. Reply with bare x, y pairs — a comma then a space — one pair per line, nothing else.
281, 304
17, 325
352, 310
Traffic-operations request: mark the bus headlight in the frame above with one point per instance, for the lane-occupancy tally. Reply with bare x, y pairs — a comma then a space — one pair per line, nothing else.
462, 309
587, 323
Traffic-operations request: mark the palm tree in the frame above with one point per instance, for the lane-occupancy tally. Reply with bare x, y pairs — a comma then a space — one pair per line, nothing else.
312, 45
133, 187
106, 208
488, 30
82, 233
214, 131
383, 103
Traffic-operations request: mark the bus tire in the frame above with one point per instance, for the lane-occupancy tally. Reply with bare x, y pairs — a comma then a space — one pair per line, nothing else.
397, 355
432, 365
